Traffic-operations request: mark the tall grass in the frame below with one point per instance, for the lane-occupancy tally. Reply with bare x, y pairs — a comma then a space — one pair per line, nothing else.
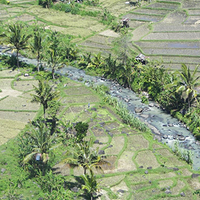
184, 154
122, 110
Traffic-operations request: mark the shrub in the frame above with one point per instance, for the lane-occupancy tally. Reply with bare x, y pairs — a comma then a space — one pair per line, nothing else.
3, 1
145, 100
68, 8
81, 129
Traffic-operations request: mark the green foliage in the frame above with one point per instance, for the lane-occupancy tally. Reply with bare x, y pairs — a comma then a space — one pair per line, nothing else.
84, 155
107, 18
17, 39
121, 109
37, 45
184, 154
52, 111
90, 184
44, 94
4, 1
91, 2
53, 52
187, 83
36, 146
45, 3
81, 131
145, 100
11, 192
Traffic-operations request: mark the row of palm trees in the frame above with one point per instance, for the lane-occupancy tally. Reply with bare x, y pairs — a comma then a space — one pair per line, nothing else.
45, 44
38, 142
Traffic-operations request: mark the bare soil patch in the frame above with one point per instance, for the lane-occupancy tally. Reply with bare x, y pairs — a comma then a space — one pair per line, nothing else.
125, 162
95, 45
110, 166
179, 186
164, 152
147, 159
150, 11
77, 91
163, 5
137, 142
100, 39
19, 116
109, 33
140, 32
173, 36
24, 17
9, 129
113, 180
82, 99
165, 183
149, 18
175, 17
112, 125
115, 146
98, 132
17, 103
25, 85
171, 51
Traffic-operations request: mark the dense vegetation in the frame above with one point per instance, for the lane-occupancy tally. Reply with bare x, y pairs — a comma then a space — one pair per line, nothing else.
174, 91
46, 136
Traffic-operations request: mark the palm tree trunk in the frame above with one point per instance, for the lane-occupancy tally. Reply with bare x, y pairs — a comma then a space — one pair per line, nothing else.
38, 67
44, 110
84, 170
53, 72
17, 58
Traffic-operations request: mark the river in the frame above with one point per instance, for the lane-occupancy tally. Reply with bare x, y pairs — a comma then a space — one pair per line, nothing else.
166, 129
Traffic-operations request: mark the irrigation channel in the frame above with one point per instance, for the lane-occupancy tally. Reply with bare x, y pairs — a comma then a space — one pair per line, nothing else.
166, 129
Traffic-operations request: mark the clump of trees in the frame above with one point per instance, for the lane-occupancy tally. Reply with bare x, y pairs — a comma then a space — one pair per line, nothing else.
174, 91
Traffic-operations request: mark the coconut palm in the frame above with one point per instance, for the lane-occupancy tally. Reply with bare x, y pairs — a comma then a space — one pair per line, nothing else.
44, 94
37, 45
54, 59
110, 67
17, 39
187, 83
42, 144
85, 156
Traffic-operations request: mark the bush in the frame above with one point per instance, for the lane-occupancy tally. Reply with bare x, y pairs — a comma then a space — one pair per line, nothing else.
145, 100
81, 129
62, 7
68, 8
3, 1
0, 90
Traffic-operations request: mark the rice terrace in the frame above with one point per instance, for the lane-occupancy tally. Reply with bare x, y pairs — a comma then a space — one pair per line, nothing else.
99, 99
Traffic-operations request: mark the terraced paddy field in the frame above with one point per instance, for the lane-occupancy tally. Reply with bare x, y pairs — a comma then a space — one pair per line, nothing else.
154, 27
15, 108
139, 167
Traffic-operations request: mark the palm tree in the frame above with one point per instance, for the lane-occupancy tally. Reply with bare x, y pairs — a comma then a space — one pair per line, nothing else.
187, 83
110, 67
42, 144
91, 184
44, 94
37, 45
53, 52
17, 39
85, 156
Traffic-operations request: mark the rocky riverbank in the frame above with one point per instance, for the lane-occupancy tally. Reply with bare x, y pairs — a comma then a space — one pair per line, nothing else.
165, 128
